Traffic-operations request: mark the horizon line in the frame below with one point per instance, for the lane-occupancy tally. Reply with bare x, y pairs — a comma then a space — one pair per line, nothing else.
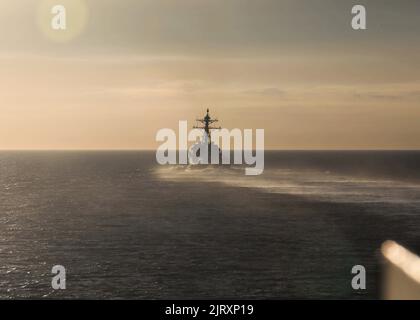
154, 150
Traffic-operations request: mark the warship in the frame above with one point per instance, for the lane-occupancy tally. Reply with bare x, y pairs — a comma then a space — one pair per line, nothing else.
194, 153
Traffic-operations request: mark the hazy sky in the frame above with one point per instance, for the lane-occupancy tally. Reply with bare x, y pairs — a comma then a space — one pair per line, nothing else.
292, 67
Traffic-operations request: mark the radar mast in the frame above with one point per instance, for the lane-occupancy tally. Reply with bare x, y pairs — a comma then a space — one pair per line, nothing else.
206, 124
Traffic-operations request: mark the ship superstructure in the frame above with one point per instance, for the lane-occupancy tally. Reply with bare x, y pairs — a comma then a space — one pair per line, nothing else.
196, 156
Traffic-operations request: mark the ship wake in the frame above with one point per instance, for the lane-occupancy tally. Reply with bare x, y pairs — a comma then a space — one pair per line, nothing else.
321, 186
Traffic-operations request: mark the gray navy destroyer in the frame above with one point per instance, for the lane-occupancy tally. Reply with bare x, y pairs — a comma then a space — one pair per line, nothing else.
195, 156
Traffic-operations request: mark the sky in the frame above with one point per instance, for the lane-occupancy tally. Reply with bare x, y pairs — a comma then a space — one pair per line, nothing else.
125, 69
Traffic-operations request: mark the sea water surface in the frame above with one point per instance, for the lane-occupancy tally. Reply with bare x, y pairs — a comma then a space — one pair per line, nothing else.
125, 227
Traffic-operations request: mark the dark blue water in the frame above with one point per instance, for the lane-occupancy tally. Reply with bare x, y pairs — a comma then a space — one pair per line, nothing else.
125, 227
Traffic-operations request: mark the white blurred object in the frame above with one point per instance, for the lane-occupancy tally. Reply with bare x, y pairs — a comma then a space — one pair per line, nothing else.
401, 276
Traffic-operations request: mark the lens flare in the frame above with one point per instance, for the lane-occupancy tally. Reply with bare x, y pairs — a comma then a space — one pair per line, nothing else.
401, 272
404, 259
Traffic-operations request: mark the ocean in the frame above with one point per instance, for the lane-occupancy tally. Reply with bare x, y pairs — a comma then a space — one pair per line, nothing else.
125, 227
